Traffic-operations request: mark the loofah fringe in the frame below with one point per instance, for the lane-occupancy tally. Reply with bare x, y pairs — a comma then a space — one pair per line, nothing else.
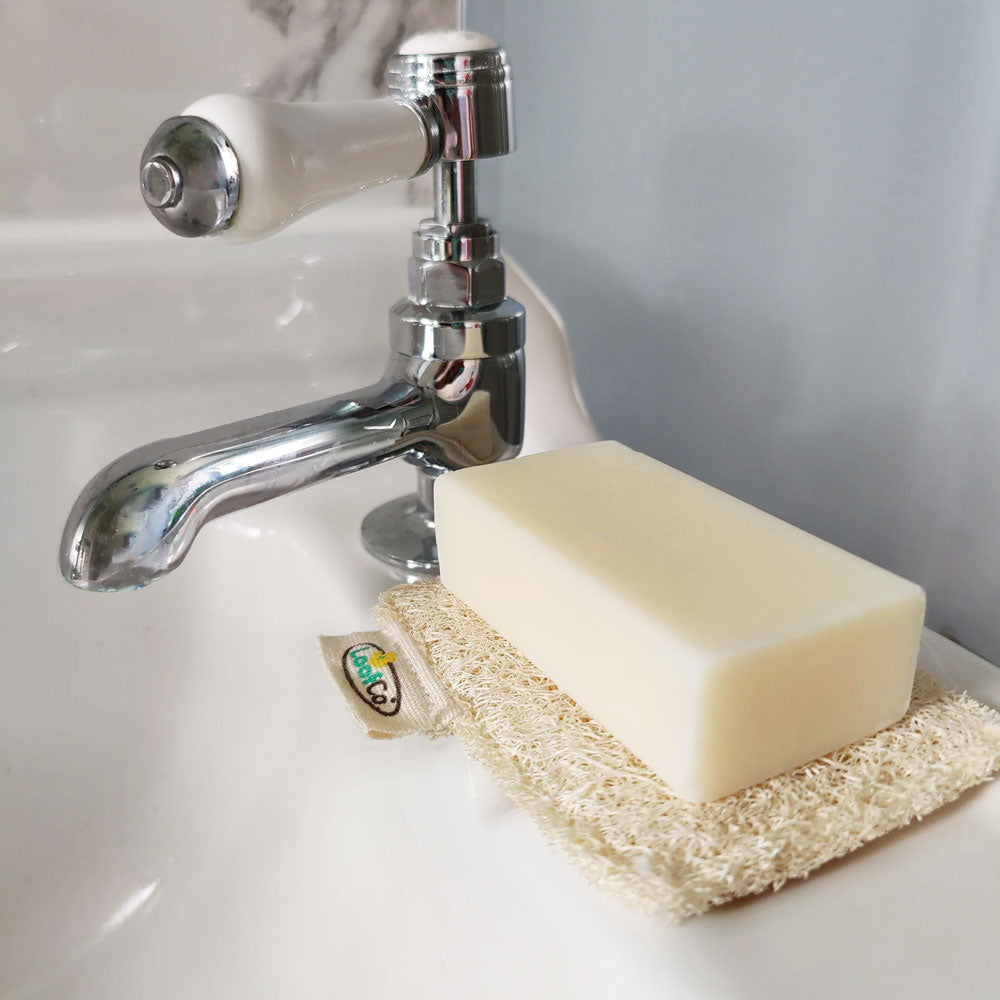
618, 822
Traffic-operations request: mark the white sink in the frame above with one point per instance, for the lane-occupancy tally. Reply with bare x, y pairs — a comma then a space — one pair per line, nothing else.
187, 809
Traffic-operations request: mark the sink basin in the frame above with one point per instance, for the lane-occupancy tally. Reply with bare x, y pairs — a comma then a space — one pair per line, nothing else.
187, 809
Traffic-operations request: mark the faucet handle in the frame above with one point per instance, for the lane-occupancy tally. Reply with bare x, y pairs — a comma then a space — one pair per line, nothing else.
245, 167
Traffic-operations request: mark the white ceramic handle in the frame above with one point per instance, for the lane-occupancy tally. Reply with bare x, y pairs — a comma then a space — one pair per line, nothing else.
294, 158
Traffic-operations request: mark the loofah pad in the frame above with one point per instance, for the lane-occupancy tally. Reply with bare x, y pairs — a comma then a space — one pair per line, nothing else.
618, 822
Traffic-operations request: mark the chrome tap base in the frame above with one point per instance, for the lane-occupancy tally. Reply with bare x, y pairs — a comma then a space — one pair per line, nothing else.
400, 534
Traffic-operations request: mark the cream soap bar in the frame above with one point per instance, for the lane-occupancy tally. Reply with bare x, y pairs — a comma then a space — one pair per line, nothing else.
721, 645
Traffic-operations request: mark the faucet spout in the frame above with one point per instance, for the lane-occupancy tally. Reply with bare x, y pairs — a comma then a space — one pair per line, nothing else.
137, 518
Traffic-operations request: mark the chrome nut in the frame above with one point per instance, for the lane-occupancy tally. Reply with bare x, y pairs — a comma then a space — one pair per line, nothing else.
457, 284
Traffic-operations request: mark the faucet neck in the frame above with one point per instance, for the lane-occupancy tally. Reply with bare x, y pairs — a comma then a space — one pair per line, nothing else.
456, 263
455, 193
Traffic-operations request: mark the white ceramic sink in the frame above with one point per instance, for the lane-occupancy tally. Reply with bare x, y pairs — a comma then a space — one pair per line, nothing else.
187, 809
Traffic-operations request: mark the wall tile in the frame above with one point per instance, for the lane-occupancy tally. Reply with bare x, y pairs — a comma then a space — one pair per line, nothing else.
83, 85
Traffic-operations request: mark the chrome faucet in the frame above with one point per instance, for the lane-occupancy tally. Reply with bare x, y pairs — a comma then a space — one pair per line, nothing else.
452, 394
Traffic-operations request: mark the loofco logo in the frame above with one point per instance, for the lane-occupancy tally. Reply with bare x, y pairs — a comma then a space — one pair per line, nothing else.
372, 677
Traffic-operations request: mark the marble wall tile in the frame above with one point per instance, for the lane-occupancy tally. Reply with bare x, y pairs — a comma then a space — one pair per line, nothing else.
83, 85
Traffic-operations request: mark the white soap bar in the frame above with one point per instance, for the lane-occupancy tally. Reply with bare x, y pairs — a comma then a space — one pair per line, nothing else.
720, 644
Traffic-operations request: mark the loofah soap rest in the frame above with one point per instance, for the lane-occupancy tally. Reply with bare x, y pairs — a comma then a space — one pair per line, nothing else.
616, 821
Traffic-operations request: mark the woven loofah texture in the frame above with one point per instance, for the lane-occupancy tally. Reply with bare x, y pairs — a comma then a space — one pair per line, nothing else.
618, 822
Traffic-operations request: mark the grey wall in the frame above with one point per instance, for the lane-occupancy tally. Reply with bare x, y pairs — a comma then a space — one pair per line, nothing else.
772, 229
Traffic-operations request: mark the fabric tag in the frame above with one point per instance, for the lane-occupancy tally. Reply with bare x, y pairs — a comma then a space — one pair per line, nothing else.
387, 685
